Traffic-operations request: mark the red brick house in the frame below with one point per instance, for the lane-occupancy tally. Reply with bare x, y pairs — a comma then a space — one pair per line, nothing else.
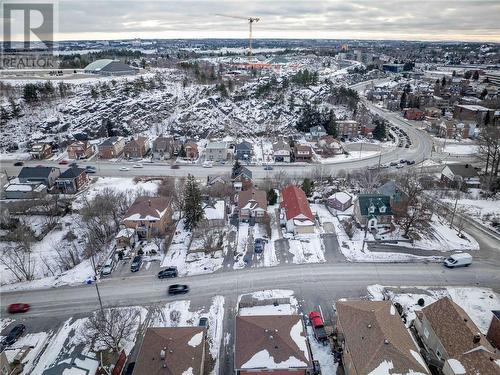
111, 147
302, 153
80, 150
413, 114
191, 150
72, 180
41, 151
136, 147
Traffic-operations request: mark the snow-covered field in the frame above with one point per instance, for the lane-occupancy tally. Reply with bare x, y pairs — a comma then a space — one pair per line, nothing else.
485, 211
478, 303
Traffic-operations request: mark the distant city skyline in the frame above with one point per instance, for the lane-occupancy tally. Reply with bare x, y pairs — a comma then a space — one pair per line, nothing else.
426, 20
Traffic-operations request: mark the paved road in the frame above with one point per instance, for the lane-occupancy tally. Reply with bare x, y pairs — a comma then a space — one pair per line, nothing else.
314, 280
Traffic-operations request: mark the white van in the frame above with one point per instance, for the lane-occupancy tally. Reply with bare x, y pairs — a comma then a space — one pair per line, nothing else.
108, 267
458, 260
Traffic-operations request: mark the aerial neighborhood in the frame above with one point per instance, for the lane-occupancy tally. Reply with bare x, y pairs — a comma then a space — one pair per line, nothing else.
261, 205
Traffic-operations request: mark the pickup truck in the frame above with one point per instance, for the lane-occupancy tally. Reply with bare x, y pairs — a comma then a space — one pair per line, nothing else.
318, 326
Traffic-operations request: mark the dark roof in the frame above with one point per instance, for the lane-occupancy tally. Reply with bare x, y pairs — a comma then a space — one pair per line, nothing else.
32, 172
271, 333
110, 141
243, 146
463, 170
378, 201
72, 173
181, 354
147, 208
245, 172
255, 198
374, 333
456, 332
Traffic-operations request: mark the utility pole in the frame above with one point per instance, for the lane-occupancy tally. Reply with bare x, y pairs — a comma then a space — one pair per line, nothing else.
95, 279
456, 202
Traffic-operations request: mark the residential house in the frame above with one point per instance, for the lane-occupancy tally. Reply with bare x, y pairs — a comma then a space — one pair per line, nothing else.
392, 190
329, 146
316, 132
214, 212
125, 238
274, 344
456, 130
41, 151
348, 129
136, 147
373, 210
281, 152
165, 147
454, 175
296, 215
172, 351
72, 180
375, 340
452, 342
216, 151
149, 216
44, 175
413, 114
493, 334
340, 201
191, 150
80, 150
17, 190
111, 147
252, 205
243, 179
302, 153
218, 179
243, 151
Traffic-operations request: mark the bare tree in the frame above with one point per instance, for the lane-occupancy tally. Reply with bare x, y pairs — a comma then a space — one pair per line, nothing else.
349, 227
173, 188
110, 328
369, 180
18, 258
211, 238
489, 150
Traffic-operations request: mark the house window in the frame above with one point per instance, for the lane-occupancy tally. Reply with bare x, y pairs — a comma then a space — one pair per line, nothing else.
382, 209
438, 354
371, 209
426, 333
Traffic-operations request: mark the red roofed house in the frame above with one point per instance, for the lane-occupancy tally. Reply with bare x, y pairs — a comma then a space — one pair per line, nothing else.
296, 214
148, 216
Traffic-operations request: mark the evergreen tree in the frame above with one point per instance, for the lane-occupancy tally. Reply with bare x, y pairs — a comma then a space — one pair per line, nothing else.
467, 74
272, 197
93, 93
443, 82
4, 115
379, 132
331, 124
15, 109
307, 186
30, 93
402, 102
193, 210
475, 76
236, 169
483, 94
182, 151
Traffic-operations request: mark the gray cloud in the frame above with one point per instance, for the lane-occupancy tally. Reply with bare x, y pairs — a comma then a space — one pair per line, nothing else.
384, 19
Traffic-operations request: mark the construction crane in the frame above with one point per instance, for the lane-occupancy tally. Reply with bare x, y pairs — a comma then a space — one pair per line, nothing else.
250, 20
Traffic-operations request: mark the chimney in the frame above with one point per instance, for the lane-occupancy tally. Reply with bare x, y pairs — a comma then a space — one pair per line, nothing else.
477, 338
386, 341
149, 202
162, 354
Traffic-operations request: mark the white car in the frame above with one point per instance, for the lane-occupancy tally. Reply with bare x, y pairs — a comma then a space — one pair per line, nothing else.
124, 169
137, 165
207, 164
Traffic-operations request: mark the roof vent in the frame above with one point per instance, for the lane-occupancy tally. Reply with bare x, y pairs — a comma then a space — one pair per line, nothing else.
164, 365
386, 341
369, 326
149, 202
162, 354
271, 337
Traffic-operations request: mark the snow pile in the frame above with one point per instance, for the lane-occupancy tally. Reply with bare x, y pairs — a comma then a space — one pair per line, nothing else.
307, 248
263, 359
265, 303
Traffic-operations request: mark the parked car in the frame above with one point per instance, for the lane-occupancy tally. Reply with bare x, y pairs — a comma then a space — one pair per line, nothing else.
14, 334
410, 162
259, 245
268, 168
137, 165
136, 263
394, 164
18, 164
207, 164
178, 289
318, 326
399, 166
124, 169
203, 322
175, 166
168, 273
403, 161
63, 162
90, 169
458, 260
108, 267
18, 308
73, 165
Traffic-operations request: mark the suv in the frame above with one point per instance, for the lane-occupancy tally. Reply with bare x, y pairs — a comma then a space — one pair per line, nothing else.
14, 334
108, 267
259, 245
136, 263
167, 273
178, 289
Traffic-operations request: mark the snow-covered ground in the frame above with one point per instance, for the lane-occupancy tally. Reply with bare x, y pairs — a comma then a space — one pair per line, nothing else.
486, 211
478, 303
461, 149
307, 248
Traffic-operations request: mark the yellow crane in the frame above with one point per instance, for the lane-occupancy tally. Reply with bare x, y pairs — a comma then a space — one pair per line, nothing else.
250, 20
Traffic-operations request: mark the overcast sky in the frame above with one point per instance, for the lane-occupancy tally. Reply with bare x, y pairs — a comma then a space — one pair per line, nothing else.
471, 20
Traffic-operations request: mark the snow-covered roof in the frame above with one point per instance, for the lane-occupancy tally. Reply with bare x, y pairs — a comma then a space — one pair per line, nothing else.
215, 212
125, 232
341, 196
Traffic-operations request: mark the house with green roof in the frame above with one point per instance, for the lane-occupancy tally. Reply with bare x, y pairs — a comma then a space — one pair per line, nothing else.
373, 210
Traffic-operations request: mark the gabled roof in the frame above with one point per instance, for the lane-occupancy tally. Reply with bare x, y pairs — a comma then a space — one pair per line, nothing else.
252, 199
183, 354
341, 196
245, 172
71, 173
111, 141
243, 146
147, 208
140, 141
295, 203
281, 145
82, 144
271, 342
35, 172
456, 332
463, 170
377, 201
376, 337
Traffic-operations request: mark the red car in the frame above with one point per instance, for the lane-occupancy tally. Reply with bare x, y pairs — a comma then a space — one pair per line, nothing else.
62, 162
18, 308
